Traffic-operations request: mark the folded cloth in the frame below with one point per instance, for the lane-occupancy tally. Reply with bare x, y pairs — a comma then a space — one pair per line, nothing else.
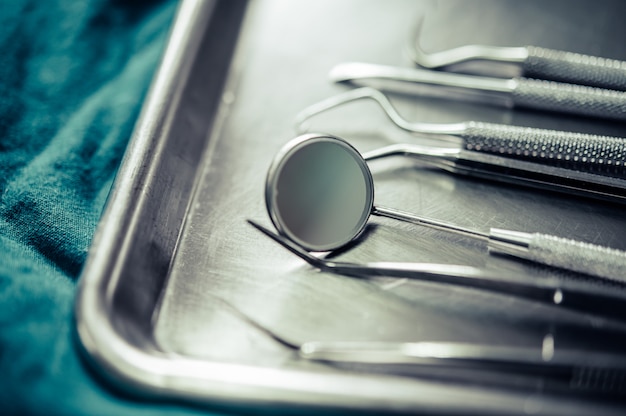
72, 78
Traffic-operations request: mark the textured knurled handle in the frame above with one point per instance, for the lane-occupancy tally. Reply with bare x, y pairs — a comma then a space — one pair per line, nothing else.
574, 68
578, 256
569, 98
590, 153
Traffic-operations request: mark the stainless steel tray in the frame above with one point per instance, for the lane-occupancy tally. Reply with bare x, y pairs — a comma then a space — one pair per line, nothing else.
174, 266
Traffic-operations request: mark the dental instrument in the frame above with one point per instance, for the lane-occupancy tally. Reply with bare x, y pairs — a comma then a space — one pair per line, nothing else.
589, 299
530, 62
572, 163
319, 193
514, 92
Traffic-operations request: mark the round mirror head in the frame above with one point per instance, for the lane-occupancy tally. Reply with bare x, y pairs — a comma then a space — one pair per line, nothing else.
319, 192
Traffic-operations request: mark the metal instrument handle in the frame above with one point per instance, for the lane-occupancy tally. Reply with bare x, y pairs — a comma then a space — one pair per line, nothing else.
574, 68
560, 252
602, 155
569, 98
497, 167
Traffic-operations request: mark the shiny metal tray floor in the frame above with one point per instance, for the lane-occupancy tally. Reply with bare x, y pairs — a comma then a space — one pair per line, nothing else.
175, 267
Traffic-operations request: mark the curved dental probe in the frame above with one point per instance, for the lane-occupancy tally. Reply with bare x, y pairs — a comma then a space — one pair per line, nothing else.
572, 163
454, 129
531, 61
578, 151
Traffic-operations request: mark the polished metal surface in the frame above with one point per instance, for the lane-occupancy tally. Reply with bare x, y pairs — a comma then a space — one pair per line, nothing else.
175, 267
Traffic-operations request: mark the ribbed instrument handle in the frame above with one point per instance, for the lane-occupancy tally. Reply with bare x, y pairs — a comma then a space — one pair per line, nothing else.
590, 153
574, 68
569, 98
577, 256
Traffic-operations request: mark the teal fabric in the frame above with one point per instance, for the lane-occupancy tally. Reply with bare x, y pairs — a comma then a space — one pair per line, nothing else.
73, 75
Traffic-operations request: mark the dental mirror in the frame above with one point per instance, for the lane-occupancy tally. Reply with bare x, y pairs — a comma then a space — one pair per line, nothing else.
319, 194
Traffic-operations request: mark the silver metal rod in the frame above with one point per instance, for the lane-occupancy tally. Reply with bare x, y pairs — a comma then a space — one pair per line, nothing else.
440, 225
545, 249
351, 71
